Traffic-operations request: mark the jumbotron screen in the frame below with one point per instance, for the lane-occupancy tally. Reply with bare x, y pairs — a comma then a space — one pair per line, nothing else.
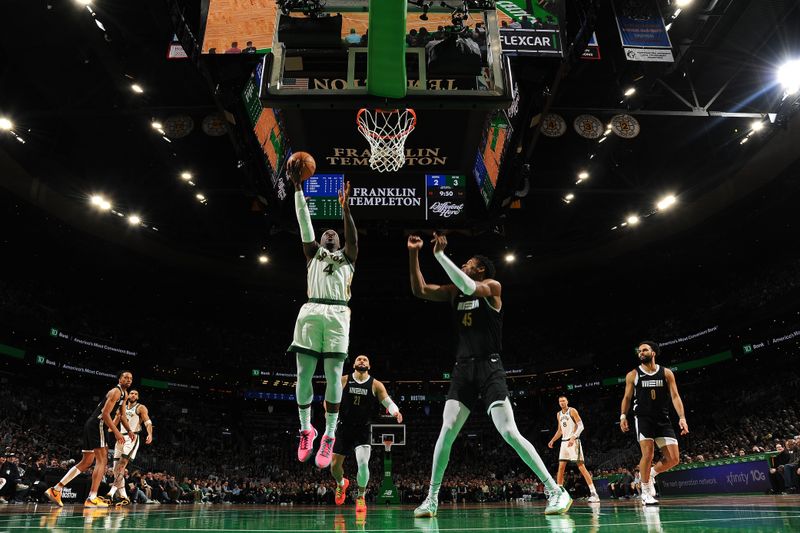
426, 197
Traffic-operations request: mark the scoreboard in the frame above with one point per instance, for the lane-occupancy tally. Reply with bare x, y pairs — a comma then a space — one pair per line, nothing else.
428, 197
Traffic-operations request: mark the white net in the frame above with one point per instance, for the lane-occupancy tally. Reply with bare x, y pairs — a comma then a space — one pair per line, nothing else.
386, 131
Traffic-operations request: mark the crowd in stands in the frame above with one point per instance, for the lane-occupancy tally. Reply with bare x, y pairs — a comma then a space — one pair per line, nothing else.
248, 453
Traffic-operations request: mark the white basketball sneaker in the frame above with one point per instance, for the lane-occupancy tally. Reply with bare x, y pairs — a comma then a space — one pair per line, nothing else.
427, 509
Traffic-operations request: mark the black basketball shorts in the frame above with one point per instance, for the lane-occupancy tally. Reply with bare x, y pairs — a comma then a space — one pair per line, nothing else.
349, 437
478, 381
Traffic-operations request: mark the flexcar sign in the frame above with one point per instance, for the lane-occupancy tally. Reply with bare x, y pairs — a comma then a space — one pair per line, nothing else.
531, 42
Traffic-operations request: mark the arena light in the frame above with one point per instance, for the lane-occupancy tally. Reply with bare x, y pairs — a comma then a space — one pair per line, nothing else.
583, 175
630, 91
186, 176
570, 196
96, 199
632, 220
682, 3
6, 124
666, 202
789, 76
756, 125
200, 197
137, 88
134, 220
157, 125
510, 258
84, 2
263, 259
744, 140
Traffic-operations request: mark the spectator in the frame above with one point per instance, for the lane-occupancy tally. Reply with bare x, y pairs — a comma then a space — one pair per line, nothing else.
249, 49
525, 23
234, 49
352, 38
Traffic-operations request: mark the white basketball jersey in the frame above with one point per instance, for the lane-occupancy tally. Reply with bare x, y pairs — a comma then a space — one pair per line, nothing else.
133, 418
330, 275
566, 423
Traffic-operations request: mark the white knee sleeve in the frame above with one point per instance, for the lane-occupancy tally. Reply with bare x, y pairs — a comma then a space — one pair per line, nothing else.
333, 379
304, 390
362, 458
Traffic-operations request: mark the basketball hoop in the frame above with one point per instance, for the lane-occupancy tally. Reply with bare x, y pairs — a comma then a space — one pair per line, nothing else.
387, 445
386, 130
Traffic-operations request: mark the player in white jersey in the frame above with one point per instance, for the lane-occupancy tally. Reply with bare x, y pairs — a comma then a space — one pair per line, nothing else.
138, 416
322, 329
570, 427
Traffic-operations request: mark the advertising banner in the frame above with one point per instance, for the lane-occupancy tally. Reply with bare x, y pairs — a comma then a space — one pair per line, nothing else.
642, 32
531, 42
592, 52
749, 475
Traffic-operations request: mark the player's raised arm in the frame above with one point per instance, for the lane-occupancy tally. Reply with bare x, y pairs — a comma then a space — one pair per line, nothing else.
379, 390
421, 289
144, 415
112, 397
676, 400
350, 233
626, 400
482, 288
310, 244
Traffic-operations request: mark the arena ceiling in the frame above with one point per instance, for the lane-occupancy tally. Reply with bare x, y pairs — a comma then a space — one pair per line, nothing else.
66, 84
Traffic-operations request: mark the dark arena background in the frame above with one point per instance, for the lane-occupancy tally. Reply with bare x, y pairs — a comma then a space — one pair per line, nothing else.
630, 167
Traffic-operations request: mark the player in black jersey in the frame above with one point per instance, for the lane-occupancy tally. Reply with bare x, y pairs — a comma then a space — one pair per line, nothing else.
652, 388
95, 449
360, 399
478, 376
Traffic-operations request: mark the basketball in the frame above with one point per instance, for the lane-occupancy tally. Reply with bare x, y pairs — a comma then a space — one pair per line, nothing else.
307, 167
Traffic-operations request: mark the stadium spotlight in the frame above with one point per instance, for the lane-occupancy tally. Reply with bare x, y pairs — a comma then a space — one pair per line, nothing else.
682, 3
137, 88
6, 124
583, 176
789, 76
757, 125
200, 197
630, 91
666, 202
84, 2
134, 220
186, 176
96, 199
570, 196
157, 125
510, 258
632, 220
263, 259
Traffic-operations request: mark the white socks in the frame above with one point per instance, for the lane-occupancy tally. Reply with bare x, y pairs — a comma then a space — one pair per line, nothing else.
69, 476
305, 418
330, 424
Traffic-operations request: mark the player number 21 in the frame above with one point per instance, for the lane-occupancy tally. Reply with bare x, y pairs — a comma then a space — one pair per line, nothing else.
467, 320
357, 400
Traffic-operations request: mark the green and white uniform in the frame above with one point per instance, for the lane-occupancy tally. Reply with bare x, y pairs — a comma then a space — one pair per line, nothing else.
323, 324
130, 447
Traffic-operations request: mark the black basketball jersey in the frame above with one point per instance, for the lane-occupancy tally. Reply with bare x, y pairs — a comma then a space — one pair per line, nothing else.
651, 394
358, 402
479, 327
97, 414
